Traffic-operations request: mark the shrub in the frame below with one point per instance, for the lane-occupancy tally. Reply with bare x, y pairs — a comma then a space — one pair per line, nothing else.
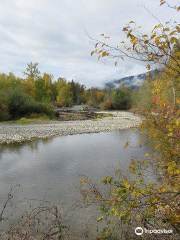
4, 109
121, 99
108, 104
4, 112
21, 105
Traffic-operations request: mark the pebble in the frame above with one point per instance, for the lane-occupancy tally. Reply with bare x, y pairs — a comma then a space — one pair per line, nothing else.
17, 133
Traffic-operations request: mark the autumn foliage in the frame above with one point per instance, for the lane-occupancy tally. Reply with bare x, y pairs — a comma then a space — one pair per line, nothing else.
132, 200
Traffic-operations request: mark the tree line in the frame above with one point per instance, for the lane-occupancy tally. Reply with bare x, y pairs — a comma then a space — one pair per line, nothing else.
37, 94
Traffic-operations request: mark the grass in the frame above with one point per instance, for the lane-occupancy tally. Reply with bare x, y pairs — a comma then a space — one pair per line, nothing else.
108, 114
70, 115
31, 120
23, 121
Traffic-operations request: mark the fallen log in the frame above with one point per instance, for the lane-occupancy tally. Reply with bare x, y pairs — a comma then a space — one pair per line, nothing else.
72, 115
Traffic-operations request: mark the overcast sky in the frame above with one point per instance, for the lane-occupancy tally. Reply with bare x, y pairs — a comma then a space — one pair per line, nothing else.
52, 33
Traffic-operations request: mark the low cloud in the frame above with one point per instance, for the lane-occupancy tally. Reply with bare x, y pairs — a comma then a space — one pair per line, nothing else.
52, 33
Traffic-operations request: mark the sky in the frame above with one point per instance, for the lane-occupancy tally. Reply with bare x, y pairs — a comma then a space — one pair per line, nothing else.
53, 33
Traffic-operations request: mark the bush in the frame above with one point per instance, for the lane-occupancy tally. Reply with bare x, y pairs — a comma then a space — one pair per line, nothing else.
4, 112
21, 105
121, 99
4, 109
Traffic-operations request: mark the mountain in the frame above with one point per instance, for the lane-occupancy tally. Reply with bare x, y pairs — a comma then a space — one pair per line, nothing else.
131, 81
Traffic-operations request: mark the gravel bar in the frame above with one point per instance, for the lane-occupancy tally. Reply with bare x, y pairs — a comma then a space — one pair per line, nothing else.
17, 133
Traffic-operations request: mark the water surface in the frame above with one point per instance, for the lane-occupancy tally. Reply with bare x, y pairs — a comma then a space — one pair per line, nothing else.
54, 164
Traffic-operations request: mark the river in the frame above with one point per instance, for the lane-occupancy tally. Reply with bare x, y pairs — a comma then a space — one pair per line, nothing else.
52, 166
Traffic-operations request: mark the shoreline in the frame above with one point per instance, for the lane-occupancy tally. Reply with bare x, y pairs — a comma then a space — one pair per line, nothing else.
10, 133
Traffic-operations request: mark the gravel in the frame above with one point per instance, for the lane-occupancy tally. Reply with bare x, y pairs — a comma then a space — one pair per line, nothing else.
17, 133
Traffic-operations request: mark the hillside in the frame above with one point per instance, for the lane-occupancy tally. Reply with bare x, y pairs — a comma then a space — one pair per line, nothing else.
135, 81
131, 81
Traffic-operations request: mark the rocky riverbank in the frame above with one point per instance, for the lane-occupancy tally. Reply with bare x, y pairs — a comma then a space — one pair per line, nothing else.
18, 133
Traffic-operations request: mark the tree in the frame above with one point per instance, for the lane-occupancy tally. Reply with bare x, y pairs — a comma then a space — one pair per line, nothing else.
121, 99
32, 70
65, 95
132, 199
78, 92
158, 48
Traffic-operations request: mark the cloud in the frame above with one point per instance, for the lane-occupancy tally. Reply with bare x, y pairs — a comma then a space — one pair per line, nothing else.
52, 33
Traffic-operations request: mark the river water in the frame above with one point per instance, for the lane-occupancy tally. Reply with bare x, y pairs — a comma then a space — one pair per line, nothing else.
52, 166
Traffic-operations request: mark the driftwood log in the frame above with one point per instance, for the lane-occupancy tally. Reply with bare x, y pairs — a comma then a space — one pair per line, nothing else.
72, 115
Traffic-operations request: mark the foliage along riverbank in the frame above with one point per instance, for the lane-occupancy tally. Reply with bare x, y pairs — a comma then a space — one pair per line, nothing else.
36, 95
130, 201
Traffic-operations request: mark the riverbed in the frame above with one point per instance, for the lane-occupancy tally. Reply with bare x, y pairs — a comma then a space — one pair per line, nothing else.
118, 120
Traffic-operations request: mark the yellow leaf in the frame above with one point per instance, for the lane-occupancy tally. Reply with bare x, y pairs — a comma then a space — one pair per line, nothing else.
115, 63
178, 28
92, 53
148, 67
159, 26
173, 32
132, 170
177, 122
126, 184
174, 40
170, 134
177, 171
166, 29
86, 197
153, 36
116, 172
138, 216
127, 144
147, 155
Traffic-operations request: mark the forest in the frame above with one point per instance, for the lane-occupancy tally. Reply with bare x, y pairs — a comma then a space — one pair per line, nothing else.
35, 95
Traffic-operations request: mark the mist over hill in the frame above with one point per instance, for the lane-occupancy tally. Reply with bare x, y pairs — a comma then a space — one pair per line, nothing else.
135, 81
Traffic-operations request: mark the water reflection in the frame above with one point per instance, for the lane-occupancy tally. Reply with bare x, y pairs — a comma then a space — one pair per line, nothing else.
16, 147
56, 163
